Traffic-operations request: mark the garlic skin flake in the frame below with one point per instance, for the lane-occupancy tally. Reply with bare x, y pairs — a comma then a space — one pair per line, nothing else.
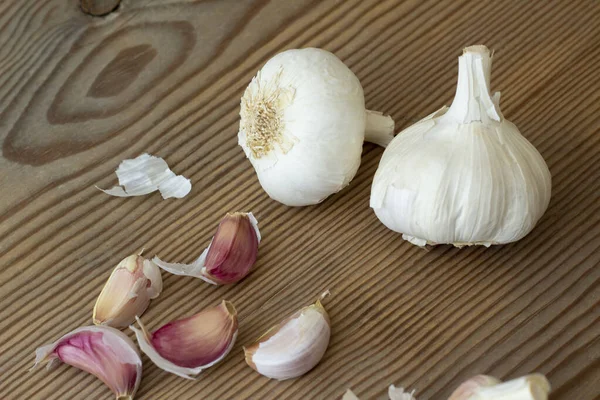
101, 351
303, 124
394, 393
146, 174
188, 346
230, 255
398, 393
293, 347
464, 175
481, 387
127, 293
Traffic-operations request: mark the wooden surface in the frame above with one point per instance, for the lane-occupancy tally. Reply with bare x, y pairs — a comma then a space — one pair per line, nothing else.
79, 93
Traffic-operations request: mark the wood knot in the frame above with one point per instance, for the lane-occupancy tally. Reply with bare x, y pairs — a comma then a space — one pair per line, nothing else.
99, 7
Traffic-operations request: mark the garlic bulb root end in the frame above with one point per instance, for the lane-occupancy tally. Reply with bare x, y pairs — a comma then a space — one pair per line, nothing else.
261, 113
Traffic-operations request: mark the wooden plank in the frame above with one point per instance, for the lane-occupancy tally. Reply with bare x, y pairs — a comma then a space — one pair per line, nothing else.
79, 93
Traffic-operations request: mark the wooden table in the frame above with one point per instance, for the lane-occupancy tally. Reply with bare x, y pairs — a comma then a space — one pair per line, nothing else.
78, 94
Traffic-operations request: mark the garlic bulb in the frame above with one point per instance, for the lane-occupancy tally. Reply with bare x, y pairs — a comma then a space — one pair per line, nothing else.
463, 175
303, 123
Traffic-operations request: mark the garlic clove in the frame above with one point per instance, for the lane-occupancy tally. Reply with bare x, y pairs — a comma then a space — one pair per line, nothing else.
481, 387
230, 255
187, 346
101, 351
128, 291
294, 346
471, 386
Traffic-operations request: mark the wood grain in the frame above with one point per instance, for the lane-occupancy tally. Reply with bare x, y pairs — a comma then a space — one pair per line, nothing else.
79, 93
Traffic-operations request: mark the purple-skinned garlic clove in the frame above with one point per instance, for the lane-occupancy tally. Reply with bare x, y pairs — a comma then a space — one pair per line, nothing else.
230, 255
187, 346
101, 351
128, 291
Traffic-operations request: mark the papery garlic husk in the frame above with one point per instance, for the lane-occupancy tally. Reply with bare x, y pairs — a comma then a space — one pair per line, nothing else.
482, 387
398, 393
128, 291
101, 351
464, 175
293, 347
230, 255
394, 393
303, 124
146, 174
188, 346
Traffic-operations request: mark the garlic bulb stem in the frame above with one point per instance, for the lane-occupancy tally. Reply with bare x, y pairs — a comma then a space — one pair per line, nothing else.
473, 101
379, 128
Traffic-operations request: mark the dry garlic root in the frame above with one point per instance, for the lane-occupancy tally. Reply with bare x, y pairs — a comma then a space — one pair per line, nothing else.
463, 175
230, 255
294, 346
101, 351
128, 291
303, 124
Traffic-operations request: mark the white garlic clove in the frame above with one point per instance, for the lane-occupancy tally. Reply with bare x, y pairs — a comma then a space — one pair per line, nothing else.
464, 175
101, 351
471, 386
303, 123
482, 387
230, 255
128, 291
294, 346
188, 346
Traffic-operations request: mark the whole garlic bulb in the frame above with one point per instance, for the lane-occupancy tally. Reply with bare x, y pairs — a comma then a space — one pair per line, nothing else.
463, 175
303, 123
